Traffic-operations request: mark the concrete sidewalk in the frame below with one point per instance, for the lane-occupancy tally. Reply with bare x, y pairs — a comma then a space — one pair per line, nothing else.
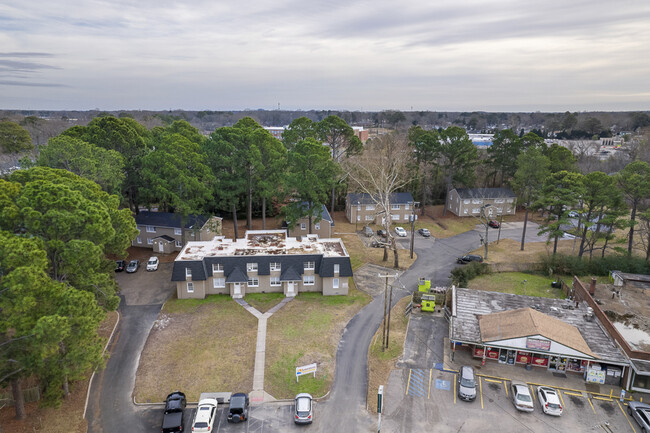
535, 376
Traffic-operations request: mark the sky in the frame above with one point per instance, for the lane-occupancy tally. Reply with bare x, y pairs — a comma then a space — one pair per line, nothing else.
442, 55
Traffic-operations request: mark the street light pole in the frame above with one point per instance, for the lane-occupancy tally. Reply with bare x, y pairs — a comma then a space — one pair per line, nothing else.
414, 204
486, 228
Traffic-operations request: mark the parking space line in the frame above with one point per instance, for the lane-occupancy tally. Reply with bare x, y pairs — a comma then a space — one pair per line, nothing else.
602, 398
430, 372
532, 392
454, 390
574, 394
592, 405
561, 399
505, 387
480, 385
408, 383
626, 417
492, 380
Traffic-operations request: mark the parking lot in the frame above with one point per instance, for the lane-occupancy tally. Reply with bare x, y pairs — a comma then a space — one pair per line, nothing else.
422, 396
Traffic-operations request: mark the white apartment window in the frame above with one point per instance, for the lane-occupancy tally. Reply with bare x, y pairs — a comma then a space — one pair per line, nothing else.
406, 206
317, 226
178, 231
188, 273
370, 207
303, 226
358, 207
192, 234
310, 265
476, 210
369, 218
139, 239
466, 201
149, 241
308, 280
499, 200
394, 217
217, 267
499, 210
510, 200
337, 268
358, 217
395, 207
465, 211
275, 266
190, 287
251, 267
151, 229
253, 282
509, 210
335, 283
179, 244
219, 283
477, 201
275, 281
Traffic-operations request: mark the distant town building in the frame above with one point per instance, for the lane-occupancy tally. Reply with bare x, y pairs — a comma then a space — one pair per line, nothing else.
361, 208
469, 201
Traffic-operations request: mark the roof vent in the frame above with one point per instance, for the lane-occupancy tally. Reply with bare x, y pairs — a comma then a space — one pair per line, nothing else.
589, 315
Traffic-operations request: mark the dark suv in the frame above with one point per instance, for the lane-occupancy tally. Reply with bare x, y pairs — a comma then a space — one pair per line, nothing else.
173, 418
238, 410
469, 258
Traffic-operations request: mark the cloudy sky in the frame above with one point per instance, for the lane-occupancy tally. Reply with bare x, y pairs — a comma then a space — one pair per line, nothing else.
455, 55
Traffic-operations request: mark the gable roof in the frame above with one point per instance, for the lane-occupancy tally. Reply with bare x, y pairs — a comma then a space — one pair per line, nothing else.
485, 192
168, 219
526, 322
395, 198
324, 214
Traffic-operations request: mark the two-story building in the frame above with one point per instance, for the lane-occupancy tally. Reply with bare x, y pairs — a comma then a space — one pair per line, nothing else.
324, 228
469, 201
263, 261
166, 232
361, 208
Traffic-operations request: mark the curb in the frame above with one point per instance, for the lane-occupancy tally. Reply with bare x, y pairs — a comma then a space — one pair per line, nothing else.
90, 382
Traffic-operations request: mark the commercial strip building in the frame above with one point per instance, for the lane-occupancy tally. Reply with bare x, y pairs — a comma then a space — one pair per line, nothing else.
561, 336
264, 261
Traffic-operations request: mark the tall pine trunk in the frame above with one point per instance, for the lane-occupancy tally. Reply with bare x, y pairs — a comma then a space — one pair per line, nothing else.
249, 207
263, 213
631, 234
523, 235
234, 219
19, 398
333, 200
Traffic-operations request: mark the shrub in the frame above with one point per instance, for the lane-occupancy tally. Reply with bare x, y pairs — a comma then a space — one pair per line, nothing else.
571, 265
461, 275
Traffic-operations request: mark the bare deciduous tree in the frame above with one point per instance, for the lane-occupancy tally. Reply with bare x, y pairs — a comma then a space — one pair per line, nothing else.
380, 171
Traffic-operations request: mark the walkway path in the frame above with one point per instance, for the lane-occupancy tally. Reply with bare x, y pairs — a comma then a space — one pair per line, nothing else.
258, 395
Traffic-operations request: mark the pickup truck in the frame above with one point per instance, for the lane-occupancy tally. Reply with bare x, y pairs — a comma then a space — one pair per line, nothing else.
173, 418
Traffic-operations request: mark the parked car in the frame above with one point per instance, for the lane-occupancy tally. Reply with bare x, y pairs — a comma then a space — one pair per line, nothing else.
521, 397
120, 265
466, 383
173, 417
238, 410
378, 244
641, 414
400, 232
303, 413
549, 400
206, 413
494, 224
382, 233
573, 214
367, 231
133, 266
152, 264
424, 232
469, 258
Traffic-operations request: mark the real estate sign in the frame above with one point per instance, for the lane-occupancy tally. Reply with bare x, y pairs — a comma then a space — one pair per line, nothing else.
306, 369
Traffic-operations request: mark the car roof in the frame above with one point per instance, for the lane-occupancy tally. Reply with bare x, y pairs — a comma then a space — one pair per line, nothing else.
551, 394
467, 370
208, 401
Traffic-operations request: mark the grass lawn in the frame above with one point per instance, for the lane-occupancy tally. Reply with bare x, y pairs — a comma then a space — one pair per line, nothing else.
380, 363
513, 282
198, 345
263, 302
307, 330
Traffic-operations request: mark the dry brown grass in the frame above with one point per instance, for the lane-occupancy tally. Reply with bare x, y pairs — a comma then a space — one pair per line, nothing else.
380, 364
197, 346
65, 419
307, 330
509, 251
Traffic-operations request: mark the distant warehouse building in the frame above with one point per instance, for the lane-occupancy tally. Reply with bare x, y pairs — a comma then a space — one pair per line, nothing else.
263, 261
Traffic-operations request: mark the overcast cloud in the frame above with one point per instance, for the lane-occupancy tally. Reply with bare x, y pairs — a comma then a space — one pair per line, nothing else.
456, 55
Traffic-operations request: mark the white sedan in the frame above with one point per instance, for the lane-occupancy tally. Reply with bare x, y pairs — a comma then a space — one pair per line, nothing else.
152, 264
549, 400
400, 232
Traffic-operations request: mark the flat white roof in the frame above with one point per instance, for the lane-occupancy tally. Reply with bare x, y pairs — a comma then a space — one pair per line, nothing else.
263, 242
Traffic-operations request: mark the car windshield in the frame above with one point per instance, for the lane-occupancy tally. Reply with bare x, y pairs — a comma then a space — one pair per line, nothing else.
524, 397
467, 383
152, 262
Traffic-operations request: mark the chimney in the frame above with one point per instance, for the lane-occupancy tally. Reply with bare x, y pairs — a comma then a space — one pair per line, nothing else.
592, 287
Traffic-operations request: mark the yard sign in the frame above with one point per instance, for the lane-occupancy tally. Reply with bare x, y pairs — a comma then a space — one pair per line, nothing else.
305, 369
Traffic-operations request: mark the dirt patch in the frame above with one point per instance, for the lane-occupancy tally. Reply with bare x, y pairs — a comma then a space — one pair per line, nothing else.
607, 407
198, 346
307, 330
578, 401
380, 364
65, 419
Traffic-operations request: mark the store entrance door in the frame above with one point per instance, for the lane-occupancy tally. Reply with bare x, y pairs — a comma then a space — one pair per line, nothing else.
557, 363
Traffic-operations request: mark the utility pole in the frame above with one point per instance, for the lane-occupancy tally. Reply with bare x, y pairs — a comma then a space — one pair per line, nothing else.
485, 241
414, 204
383, 332
390, 302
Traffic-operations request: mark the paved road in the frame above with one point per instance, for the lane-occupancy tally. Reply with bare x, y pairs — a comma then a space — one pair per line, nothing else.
110, 405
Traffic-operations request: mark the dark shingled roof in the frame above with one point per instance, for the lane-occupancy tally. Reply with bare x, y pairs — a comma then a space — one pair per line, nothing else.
167, 219
395, 198
237, 276
485, 193
290, 274
325, 215
165, 237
